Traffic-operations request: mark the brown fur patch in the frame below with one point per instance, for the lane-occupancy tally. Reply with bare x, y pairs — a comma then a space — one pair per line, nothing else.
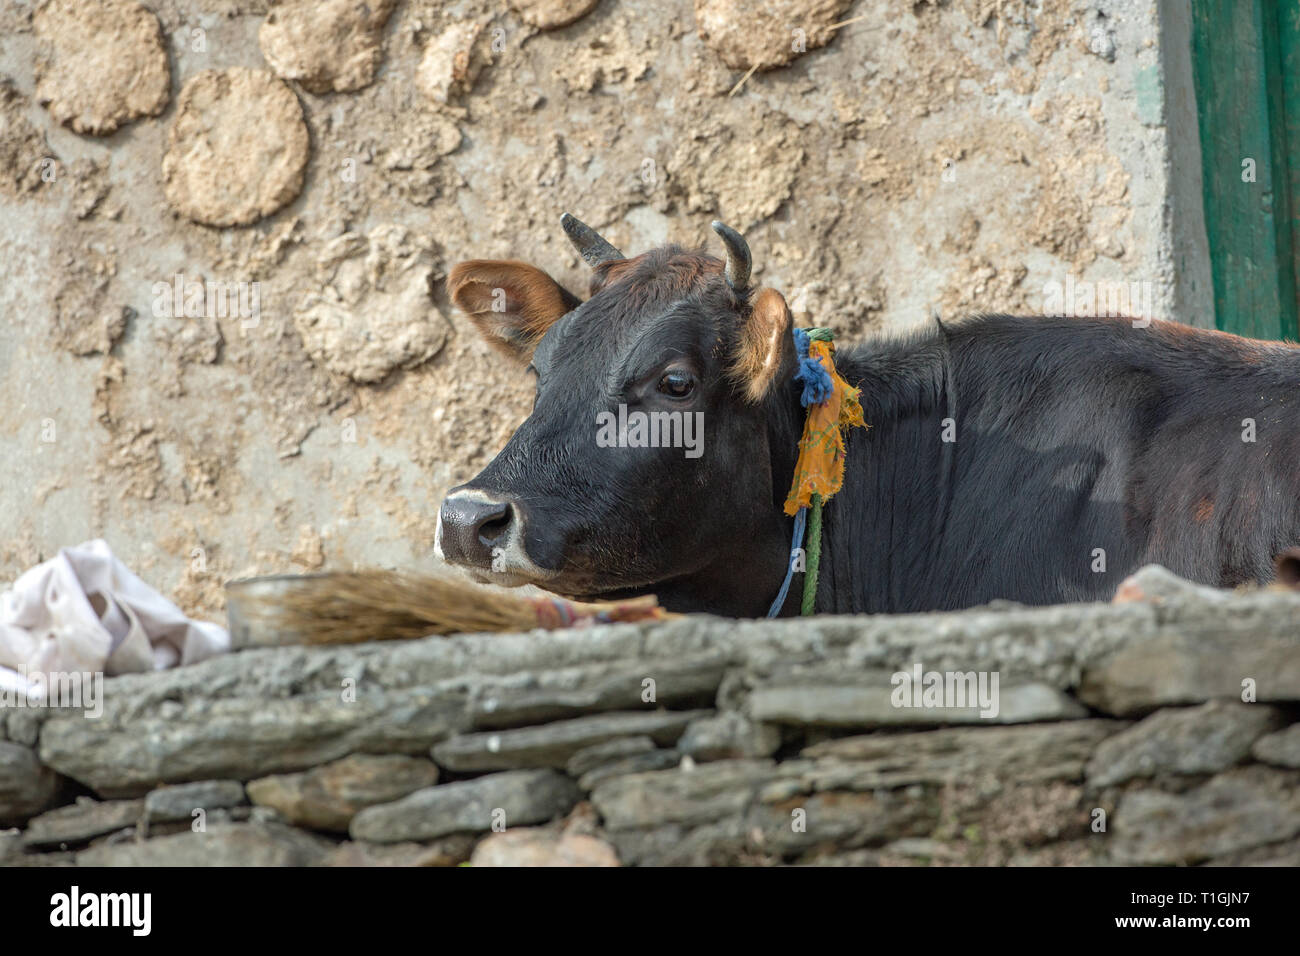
763, 340
527, 302
1204, 510
678, 274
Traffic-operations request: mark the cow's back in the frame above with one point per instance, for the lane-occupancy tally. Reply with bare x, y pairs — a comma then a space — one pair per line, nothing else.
1043, 459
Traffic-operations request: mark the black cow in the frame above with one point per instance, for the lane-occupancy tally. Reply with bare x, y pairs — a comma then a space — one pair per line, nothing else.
1034, 459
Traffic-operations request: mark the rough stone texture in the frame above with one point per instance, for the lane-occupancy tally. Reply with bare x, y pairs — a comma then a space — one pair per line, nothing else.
536, 847
1281, 749
223, 844
765, 34
326, 45
552, 745
369, 312
328, 797
589, 758
1194, 740
870, 701
23, 148
179, 802
1138, 679
237, 149
693, 776
514, 798
633, 763
1238, 810
447, 851
243, 739
1030, 753
450, 62
26, 785
100, 64
728, 735
81, 821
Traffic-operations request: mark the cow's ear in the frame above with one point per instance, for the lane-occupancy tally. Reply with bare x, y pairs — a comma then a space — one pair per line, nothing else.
512, 304
765, 347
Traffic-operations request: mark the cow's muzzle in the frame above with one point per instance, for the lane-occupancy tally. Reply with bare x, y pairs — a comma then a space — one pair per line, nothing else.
484, 533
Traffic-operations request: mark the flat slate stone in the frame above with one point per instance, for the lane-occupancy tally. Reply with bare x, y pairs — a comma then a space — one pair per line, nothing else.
632, 763
1281, 749
514, 798
1243, 808
871, 705
169, 804
81, 821
728, 736
706, 793
222, 844
1192, 740
1027, 753
242, 737
540, 846
446, 851
555, 694
328, 797
1206, 658
589, 758
551, 745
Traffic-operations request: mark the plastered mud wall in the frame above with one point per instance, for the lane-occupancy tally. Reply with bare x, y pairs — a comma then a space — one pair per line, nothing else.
314, 168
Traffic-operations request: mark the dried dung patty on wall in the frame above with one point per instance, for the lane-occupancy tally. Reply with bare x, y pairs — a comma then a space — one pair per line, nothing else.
237, 149
100, 64
548, 14
765, 34
371, 313
335, 45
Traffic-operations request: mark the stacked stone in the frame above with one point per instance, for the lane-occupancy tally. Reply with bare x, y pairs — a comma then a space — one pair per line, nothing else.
1161, 730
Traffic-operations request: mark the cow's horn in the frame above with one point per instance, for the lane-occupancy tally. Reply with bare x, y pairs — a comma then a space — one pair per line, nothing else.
738, 261
593, 249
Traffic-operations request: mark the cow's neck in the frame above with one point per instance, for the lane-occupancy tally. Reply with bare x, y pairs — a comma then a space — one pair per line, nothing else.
879, 531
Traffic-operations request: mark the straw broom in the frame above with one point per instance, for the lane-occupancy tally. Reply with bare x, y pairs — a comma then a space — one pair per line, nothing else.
352, 607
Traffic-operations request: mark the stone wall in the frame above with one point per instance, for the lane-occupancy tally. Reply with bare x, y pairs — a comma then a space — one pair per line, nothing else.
951, 154
1120, 736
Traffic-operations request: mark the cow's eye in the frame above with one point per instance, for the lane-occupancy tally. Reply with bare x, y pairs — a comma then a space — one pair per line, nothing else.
677, 384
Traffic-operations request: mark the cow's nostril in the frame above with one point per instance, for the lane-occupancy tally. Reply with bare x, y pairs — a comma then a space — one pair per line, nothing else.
472, 526
494, 529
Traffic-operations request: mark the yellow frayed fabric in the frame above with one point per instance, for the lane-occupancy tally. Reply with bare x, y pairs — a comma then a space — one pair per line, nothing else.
820, 468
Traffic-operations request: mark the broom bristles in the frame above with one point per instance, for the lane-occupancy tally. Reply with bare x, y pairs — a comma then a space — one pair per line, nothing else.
352, 607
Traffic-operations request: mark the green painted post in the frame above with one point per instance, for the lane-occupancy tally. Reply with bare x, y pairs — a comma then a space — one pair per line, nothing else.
1246, 68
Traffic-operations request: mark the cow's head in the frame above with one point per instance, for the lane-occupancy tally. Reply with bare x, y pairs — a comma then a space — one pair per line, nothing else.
672, 344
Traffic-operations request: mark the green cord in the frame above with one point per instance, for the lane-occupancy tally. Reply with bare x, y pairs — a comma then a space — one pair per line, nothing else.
814, 549
814, 554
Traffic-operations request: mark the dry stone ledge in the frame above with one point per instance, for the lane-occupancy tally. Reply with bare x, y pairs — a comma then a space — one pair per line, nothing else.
694, 741
179, 802
328, 797
512, 798
1281, 749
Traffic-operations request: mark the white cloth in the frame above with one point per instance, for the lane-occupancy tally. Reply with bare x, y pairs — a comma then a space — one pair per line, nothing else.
85, 611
